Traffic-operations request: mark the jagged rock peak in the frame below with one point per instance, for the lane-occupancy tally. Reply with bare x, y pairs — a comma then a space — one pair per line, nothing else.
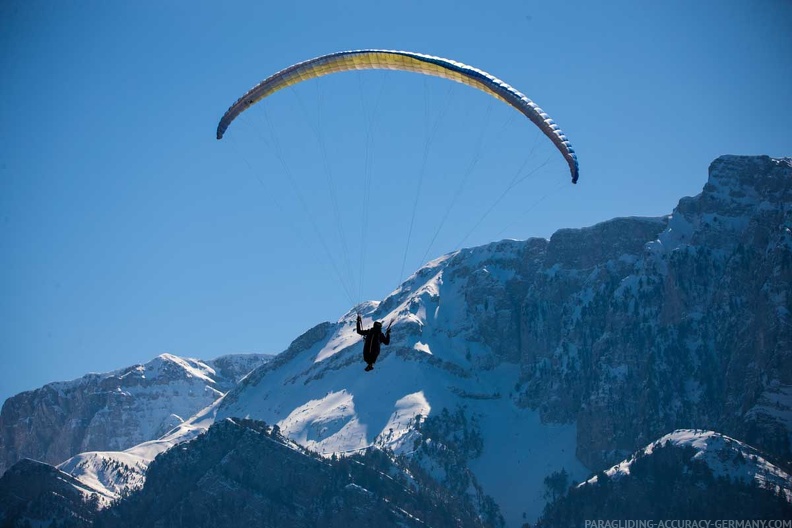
758, 172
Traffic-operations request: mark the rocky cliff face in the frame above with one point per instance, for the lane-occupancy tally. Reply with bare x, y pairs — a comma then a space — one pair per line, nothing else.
637, 327
113, 411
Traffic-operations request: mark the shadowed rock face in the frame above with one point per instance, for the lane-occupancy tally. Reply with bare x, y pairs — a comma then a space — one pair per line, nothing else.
37, 493
113, 411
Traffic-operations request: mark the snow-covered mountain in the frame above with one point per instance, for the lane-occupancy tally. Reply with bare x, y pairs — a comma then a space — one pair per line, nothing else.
726, 458
115, 410
686, 474
693, 330
512, 362
114, 474
319, 395
577, 349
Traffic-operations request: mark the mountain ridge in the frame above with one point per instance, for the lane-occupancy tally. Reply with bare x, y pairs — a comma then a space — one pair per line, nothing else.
114, 410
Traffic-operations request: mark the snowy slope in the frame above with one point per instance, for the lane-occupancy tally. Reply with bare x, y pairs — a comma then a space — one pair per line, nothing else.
319, 395
115, 473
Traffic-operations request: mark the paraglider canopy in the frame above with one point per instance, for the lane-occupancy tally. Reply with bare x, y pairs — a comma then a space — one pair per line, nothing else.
405, 61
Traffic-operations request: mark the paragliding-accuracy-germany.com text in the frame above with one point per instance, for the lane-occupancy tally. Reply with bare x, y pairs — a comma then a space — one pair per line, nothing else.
687, 523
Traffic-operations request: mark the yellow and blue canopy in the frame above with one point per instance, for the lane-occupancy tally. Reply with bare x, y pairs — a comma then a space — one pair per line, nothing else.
373, 59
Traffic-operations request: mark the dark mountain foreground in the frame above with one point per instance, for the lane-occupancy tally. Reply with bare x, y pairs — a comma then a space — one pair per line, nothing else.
694, 475
244, 473
37, 494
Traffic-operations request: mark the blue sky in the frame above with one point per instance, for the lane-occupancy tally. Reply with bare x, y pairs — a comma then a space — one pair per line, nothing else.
127, 230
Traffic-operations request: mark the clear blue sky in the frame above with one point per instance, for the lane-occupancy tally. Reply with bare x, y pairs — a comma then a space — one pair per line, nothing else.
127, 230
